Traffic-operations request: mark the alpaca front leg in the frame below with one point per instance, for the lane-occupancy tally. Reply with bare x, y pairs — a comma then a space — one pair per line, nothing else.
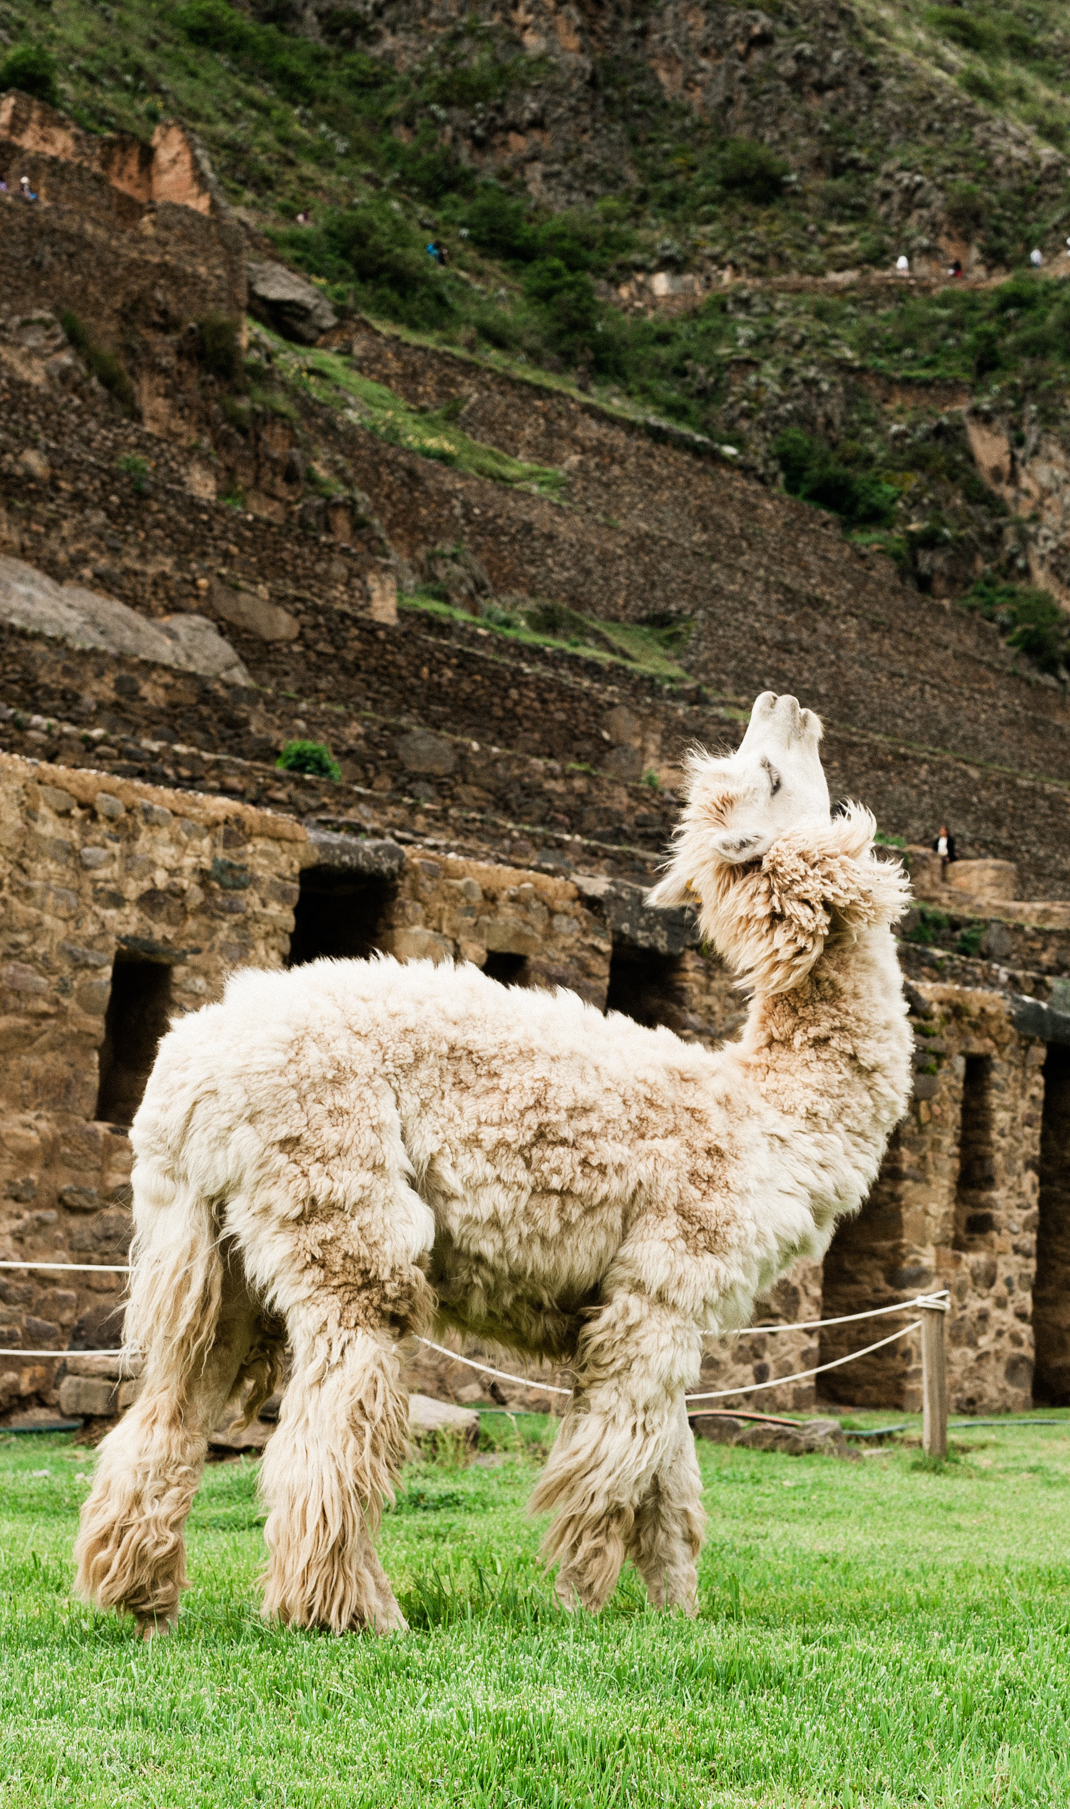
620, 1434
341, 1438
667, 1535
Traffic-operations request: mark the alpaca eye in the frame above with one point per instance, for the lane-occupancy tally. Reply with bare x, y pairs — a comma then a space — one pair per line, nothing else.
774, 782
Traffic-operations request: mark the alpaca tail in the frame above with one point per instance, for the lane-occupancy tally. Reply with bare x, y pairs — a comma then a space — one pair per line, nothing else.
176, 1274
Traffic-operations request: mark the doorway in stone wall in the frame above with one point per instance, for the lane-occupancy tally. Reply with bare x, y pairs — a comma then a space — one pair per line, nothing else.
1051, 1290
139, 1009
508, 970
338, 913
646, 986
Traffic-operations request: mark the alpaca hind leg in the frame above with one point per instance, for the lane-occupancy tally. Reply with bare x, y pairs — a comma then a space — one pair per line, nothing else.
666, 1537
131, 1551
341, 1438
619, 1434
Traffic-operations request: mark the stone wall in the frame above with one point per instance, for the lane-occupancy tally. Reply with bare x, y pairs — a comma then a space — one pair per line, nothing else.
172, 168
121, 905
174, 265
155, 541
955, 1206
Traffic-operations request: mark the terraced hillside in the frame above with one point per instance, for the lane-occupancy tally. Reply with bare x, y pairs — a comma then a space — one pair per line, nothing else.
663, 430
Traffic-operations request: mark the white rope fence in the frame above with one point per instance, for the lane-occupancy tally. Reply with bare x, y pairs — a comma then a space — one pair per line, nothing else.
933, 1306
721, 1394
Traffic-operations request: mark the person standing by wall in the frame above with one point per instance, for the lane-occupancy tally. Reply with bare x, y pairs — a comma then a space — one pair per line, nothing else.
944, 846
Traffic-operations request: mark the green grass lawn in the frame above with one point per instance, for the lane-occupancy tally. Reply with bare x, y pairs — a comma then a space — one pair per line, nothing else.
873, 1633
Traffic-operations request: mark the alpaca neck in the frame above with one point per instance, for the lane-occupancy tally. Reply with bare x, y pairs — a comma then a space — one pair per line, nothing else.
833, 1054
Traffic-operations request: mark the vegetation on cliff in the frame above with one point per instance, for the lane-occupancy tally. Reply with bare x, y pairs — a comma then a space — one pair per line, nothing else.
781, 144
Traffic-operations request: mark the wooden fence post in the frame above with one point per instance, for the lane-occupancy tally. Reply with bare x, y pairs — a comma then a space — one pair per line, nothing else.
933, 1381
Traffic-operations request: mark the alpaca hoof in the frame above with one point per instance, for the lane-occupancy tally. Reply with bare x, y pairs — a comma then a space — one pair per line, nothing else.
388, 1620
571, 1600
157, 1626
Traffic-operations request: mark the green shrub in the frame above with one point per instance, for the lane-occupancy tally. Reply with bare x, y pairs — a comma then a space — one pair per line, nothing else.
1031, 620
219, 346
309, 757
30, 69
137, 470
752, 171
470, 85
105, 366
814, 474
967, 207
964, 29
384, 255
925, 924
501, 224
567, 295
294, 66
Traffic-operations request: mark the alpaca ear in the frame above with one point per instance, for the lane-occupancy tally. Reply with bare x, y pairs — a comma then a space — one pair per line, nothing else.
672, 890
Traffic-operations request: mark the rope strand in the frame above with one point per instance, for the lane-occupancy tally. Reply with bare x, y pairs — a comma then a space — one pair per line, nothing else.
819, 1369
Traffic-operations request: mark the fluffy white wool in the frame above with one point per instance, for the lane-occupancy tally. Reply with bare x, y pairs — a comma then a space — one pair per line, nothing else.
339, 1153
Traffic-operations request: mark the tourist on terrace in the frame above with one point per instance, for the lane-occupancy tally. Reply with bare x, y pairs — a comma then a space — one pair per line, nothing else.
25, 190
944, 846
902, 265
1036, 257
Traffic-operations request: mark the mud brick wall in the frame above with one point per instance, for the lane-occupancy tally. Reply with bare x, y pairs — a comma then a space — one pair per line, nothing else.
99, 874
955, 1206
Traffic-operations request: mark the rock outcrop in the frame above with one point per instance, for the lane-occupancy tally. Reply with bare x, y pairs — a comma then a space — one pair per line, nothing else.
84, 618
283, 300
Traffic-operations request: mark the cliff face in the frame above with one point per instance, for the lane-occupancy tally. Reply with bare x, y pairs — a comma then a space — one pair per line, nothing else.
567, 99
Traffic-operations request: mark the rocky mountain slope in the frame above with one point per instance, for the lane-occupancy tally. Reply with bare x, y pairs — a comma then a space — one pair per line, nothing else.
686, 211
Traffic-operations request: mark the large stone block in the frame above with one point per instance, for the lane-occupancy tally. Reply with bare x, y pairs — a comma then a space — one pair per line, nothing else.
288, 303
427, 1418
88, 1397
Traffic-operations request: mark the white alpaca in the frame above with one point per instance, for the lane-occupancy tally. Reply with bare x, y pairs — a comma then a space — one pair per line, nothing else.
339, 1154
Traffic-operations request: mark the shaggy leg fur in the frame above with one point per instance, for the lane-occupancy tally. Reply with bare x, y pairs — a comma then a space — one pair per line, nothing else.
669, 1522
617, 1459
130, 1551
341, 1437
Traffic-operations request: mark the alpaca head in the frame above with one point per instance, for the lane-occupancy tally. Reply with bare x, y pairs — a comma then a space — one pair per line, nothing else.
772, 782
758, 852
